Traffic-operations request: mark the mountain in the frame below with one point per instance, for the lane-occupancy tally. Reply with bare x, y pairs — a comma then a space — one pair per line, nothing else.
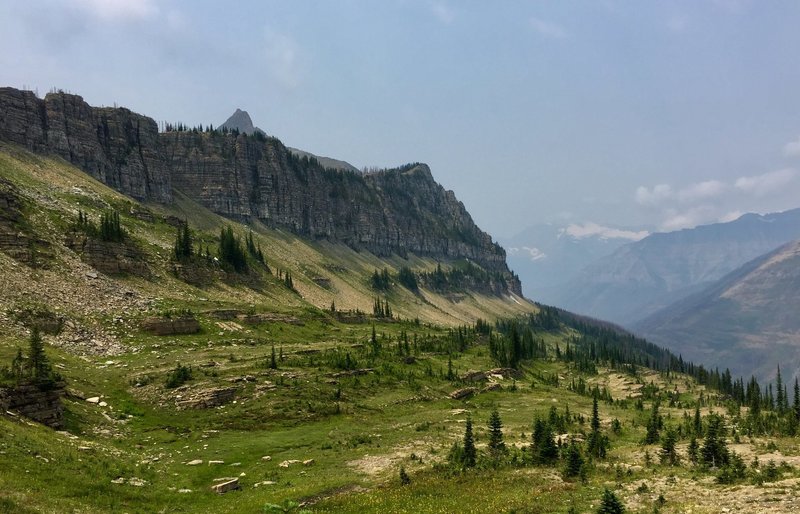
746, 321
253, 178
642, 277
240, 120
546, 256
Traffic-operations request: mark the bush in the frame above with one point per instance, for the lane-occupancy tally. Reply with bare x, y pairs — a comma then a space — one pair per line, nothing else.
178, 376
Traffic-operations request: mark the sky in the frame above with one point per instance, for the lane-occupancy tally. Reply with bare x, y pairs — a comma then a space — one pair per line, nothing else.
605, 114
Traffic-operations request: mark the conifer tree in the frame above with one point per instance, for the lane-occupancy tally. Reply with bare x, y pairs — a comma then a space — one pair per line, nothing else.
693, 449
470, 453
496, 444
714, 451
668, 454
543, 445
653, 425
596, 445
610, 504
573, 466
796, 400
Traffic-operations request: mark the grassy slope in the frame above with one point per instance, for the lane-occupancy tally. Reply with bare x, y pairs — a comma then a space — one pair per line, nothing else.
359, 430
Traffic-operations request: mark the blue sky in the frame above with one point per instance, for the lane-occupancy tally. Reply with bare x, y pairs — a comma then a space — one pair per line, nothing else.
630, 113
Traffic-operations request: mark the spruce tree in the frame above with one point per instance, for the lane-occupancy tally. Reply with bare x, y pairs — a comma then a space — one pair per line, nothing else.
796, 399
596, 445
573, 465
470, 453
496, 445
668, 454
714, 452
543, 445
693, 450
610, 504
653, 425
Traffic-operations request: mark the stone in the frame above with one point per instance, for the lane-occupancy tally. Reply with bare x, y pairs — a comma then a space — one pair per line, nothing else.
213, 462
266, 458
308, 462
171, 326
195, 462
224, 487
460, 394
93, 399
103, 404
184, 491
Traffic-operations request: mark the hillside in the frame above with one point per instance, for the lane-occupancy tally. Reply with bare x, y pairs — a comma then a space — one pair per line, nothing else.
747, 321
640, 278
253, 178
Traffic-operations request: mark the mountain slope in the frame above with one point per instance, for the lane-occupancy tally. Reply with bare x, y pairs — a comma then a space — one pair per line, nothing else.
747, 321
253, 178
642, 277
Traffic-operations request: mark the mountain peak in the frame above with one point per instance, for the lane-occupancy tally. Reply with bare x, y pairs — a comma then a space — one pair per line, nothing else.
241, 121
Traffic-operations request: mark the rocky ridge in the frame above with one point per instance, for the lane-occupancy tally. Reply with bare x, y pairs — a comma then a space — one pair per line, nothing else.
252, 177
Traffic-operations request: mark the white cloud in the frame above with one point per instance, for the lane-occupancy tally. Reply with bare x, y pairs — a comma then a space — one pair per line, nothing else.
547, 28
590, 229
443, 12
760, 185
123, 10
655, 196
792, 148
702, 190
731, 216
534, 253
687, 219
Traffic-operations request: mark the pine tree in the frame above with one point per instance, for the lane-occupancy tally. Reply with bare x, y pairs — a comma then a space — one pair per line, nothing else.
596, 445
693, 450
470, 453
781, 398
496, 445
714, 452
796, 400
668, 454
543, 445
610, 504
573, 458
653, 426
697, 424
273, 363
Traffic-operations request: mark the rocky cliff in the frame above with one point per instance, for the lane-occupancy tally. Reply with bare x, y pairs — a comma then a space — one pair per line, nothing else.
249, 177
114, 145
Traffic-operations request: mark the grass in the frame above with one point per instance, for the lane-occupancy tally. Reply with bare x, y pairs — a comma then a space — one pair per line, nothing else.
359, 429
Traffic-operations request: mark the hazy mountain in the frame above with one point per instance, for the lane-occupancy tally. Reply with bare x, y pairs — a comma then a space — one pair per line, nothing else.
747, 321
546, 256
240, 120
642, 277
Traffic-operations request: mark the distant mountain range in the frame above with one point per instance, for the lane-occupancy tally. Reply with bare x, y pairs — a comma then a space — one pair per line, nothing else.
747, 321
548, 255
640, 278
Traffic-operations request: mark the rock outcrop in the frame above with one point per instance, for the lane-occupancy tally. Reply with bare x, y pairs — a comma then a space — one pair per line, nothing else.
171, 326
114, 145
43, 406
249, 177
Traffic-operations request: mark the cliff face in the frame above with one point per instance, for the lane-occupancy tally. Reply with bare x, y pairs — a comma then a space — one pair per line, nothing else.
114, 145
393, 211
253, 177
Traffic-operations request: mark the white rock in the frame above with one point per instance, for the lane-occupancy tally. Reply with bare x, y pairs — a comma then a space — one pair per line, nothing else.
103, 404
194, 462
212, 462
266, 458
93, 399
